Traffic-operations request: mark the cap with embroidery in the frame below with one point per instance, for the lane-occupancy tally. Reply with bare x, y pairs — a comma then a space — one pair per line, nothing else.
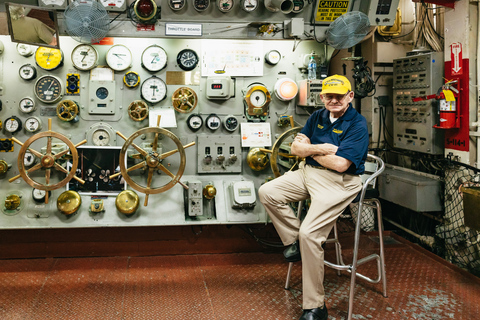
336, 84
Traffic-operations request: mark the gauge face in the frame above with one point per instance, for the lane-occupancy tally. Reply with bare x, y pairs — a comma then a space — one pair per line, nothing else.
28, 159
33, 124
48, 89
48, 58
213, 122
194, 122
201, 5
59, 3
102, 93
113, 5
13, 124
26, 105
187, 59
131, 79
119, 57
230, 123
249, 5
39, 195
24, 50
273, 57
176, 4
153, 90
225, 5
154, 58
258, 98
27, 72
84, 57
101, 138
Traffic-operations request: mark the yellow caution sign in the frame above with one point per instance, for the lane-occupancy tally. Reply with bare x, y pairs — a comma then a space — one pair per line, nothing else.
328, 11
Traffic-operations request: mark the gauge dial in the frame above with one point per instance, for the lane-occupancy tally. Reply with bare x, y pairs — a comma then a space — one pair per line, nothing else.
26, 105
195, 122
154, 58
230, 123
258, 98
131, 79
101, 137
273, 57
249, 5
176, 5
24, 49
33, 124
27, 72
119, 57
48, 89
153, 90
28, 159
102, 93
201, 5
13, 124
84, 57
213, 122
48, 58
39, 195
114, 5
53, 3
225, 5
187, 59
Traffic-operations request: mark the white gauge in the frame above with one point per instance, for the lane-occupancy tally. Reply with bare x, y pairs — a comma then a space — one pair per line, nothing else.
84, 57
27, 72
24, 49
28, 159
213, 122
273, 57
225, 5
176, 5
101, 137
230, 123
153, 90
258, 98
119, 57
26, 105
13, 124
39, 195
195, 122
114, 5
249, 5
58, 4
201, 5
33, 124
154, 58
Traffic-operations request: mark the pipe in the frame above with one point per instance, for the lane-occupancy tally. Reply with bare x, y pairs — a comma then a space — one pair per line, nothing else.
429, 241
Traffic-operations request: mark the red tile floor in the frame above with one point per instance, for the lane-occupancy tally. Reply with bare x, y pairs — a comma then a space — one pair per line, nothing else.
240, 286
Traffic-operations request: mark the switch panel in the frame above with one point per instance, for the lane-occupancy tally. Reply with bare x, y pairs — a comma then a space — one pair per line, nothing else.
219, 154
194, 198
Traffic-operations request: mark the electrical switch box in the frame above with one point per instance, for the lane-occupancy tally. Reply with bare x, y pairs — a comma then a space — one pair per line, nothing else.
219, 154
194, 200
242, 194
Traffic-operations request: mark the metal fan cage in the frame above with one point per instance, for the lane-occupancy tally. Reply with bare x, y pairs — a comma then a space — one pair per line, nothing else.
86, 21
348, 30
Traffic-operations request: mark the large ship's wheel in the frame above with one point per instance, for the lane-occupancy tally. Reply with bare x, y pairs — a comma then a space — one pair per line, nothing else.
184, 100
47, 160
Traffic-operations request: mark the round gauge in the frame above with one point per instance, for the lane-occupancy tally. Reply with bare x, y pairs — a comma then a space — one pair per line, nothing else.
33, 124
48, 89
39, 195
225, 5
187, 59
249, 5
101, 138
24, 49
230, 123
153, 90
119, 57
194, 122
48, 58
84, 57
201, 5
213, 122
13, 124
53, 3
114, 5
154, 58
27, 72
258, 98
28, 159
176, 5
273, 57
131, 79
26, 105
102, 93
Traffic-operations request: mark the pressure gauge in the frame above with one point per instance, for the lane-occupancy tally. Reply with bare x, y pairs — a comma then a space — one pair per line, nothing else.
13, 124
131, 79
27, 72
24, 49
154, 58
39, 195
201, 5
48, 58
213, 122
153, 90
84, 57
119, 57
114, 5
225, 5
102, 93
194, 122
26, 105
176, 5
187, 59
273, 57
249, 5
48, 89
28, 159
33, 124
258, 98
230, 123
101, 137
56, 4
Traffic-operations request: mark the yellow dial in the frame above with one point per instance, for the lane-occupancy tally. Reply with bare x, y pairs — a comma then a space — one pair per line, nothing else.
48, 58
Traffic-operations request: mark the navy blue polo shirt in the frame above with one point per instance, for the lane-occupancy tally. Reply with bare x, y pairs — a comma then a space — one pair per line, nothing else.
349, 133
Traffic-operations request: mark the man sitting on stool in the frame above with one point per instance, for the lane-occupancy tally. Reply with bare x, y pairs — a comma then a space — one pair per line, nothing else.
334, 143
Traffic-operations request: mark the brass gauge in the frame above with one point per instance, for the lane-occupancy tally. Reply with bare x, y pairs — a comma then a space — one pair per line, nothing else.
26, 105
27, 72
48, 89
201, 5
176, 5
84, 57
33, 124
131, 79
249, 5
48, 58
257, 99
69, 202
225, 5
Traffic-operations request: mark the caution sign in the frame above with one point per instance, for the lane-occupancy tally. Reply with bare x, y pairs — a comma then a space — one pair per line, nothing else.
328, 11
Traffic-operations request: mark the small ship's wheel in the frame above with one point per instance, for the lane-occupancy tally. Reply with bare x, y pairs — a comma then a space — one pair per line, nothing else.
138, 110
282, 160
47, 161
67, 110
184, 100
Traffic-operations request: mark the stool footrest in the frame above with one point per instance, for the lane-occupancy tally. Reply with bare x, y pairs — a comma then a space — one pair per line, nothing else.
349, 267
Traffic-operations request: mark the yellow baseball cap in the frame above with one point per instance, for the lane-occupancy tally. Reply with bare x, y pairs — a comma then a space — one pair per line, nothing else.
336, 84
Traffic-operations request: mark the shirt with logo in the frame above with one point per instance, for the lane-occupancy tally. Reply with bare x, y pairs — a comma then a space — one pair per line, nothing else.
349, 133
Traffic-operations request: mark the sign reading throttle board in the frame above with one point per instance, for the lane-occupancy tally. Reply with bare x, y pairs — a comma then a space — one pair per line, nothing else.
328, 11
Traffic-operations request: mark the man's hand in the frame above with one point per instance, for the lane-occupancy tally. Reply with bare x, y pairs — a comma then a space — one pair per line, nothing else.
328, 149
301, 138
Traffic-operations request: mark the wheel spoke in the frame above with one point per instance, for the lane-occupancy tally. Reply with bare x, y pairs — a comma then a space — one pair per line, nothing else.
165, 170
60, 168
169, 153
49, 145
35, 153
47, 176
35, 167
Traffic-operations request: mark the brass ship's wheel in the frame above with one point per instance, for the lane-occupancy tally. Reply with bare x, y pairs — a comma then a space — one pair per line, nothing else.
184, 100
47, 160
138, 110
67, 110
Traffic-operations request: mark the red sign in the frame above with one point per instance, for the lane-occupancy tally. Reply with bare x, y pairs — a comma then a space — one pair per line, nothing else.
456, 58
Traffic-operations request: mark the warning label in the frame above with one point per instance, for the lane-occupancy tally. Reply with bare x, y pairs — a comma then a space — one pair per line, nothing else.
328, 11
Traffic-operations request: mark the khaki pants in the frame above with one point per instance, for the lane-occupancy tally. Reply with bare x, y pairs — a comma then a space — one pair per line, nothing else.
330, 194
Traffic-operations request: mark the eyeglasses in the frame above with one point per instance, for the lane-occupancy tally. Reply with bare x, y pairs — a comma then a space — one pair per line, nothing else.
338, 97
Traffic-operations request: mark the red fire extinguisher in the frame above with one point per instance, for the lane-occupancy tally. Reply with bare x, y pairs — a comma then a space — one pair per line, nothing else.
448, 114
